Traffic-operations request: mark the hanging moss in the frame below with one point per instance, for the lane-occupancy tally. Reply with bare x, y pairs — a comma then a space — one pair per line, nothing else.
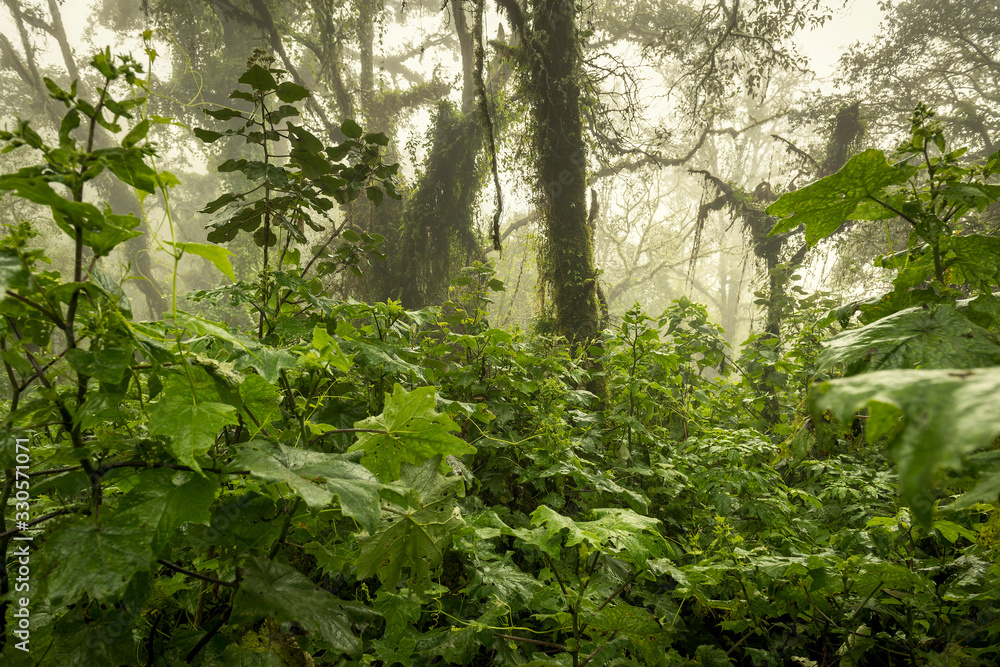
439, 230
845, 139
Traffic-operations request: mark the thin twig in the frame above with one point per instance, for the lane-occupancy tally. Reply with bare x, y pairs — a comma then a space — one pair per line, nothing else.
530, 641
35, 522
195, 575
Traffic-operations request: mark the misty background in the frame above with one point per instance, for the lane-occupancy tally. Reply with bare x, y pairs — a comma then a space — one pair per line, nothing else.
692, 131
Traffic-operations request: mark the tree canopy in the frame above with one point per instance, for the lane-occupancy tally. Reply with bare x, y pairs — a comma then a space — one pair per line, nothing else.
267, 395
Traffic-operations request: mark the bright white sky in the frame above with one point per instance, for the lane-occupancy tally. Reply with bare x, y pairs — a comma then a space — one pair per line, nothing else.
858, 21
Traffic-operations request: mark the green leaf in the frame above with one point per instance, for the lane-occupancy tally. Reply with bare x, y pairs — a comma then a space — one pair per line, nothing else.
951, 531
351, 129
222, 201
256, 170
81, 637
329, 351
977, 260
274, 589
416, 535
374, 195
282, 112
113, 231
415, 433
378, 138
99, 560
228, 166
136, 134
292, 92
258, 78
207, 136
106, 365
224, 113
54, 90
204, 327
632, 537
261, 402
504, 579
112, 288
242, 95
162, 500
104, 64
70, 122
312, 164
36, 189
304, 139
339, 152
265, 360
127, 164
13, 275
824, 205
217, 255
936, 336
946, 414
315, 477
238, 656
191, 427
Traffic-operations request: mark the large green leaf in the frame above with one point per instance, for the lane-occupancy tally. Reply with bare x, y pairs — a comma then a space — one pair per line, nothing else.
191, 427
824, 205
935, 336
162, 500
977, 260
414, 535
267, 361
353, 484
507, 582
113, 230
275, 589
328, 350
99, 560
351, 129
106, 364
291, 92
415, 432
204, 327
67, 213
258, 78
260, 401
85, 636
939, 416
631, 537
217, 255
127, 164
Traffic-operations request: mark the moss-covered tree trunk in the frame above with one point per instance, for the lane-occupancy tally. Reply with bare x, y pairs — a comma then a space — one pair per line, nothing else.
561, 167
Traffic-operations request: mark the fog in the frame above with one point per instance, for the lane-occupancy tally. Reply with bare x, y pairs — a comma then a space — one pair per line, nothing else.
696, 115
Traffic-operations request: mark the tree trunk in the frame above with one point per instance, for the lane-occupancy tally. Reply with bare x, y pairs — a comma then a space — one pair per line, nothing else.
468, 58
561, 166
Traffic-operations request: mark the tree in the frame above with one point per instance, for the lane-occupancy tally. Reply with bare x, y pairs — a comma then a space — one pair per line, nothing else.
567, 81
550, 55
30, 75
942, 53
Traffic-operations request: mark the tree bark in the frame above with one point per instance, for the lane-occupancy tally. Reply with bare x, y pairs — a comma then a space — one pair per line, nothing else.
468, 58
561, 169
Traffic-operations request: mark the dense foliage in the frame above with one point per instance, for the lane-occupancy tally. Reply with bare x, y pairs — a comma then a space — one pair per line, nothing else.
322, 481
